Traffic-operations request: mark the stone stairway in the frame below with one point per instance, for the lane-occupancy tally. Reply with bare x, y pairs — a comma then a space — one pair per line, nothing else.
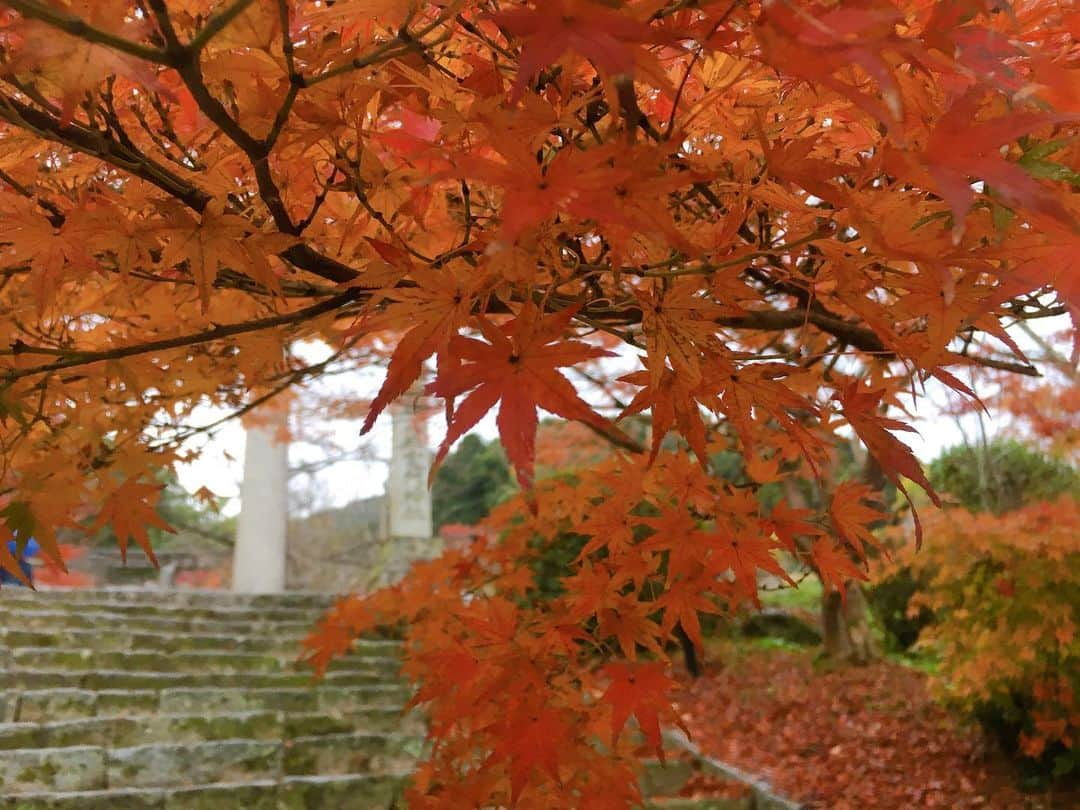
185, 700
136, 699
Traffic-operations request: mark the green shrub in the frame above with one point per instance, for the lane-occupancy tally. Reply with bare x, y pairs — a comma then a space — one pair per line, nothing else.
890, 600
1001, 476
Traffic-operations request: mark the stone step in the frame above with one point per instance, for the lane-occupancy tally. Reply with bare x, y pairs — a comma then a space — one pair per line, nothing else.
13, 607
85, 768
178, 597
352, 752
119, 731
662, 783
44, 705
60, 620
124, 679
110, 640
200, 661
666, 778
351, 792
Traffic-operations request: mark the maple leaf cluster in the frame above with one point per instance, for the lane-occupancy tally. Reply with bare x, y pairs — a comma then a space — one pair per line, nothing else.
785, 214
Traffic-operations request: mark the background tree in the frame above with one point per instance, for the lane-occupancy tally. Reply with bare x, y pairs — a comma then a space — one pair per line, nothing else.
180, 511
1002, 475
470, 483
783, 216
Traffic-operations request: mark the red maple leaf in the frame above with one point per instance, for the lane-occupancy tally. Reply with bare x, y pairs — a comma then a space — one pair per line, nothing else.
962, 148
436, 307
532, 738
682, 605
672, 403
742, 555
853, 511
131, 508
534, 191
609, 38
641, 690
517, 368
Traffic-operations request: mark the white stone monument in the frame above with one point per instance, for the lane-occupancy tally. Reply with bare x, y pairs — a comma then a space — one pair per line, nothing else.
407, 523
260, 552
408, 500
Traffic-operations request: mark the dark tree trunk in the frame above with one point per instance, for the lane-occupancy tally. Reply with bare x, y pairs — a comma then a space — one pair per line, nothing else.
690, 654
846, 627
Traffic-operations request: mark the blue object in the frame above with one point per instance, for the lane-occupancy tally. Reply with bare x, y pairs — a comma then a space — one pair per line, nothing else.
30, 550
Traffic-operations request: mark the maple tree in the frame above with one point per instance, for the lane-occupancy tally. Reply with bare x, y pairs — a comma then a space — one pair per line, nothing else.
785, 214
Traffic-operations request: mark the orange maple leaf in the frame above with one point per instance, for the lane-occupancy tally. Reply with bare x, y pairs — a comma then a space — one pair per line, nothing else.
861, 410
628, 620
131, 508
834, 566
671, 401
853, 511
205, 244
742, 554
683, 603
896, 459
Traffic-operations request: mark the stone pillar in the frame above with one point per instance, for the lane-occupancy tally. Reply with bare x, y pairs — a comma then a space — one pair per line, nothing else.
259, 554
408, 526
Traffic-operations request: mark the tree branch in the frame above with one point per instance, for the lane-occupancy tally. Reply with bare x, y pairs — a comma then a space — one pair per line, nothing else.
217, 333
216, 23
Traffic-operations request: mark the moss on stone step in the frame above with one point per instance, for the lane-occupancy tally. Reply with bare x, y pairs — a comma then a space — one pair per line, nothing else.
25, 770
365, 719
17, 604
163, 765
129, 731
20, 735
355, 792
351, 753
285, 647
343, 793
122, 679
210, 700
181, 701
51, 620
95, 800
142, 661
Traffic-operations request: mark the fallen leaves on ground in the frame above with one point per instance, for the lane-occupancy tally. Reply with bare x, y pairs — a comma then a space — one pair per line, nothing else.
852, 738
